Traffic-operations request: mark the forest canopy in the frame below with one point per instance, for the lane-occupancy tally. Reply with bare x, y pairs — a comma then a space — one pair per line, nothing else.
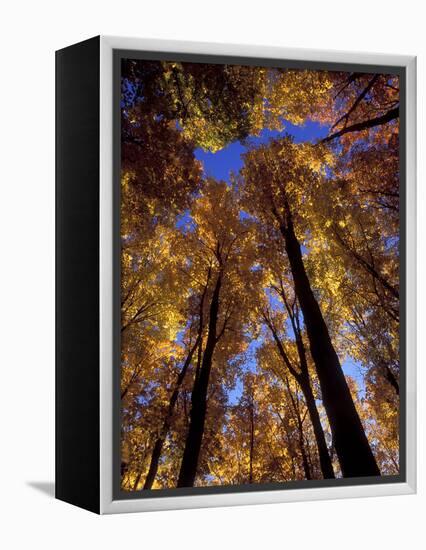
259, 275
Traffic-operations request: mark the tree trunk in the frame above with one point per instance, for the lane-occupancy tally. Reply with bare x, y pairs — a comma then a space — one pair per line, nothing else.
194, 438
352, 447
137, 480
299, 423
305, 384
305, 461
390, 377
324, 456
158, 447
303, 380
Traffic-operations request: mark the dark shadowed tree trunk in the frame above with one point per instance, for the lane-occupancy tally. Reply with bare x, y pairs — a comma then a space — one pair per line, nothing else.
302, 379
324, 456
158, 447
194, 438
390, 377
299, 422
305, 384
352, 447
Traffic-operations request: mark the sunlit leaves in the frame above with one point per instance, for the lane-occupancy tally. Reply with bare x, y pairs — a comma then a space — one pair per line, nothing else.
182, 230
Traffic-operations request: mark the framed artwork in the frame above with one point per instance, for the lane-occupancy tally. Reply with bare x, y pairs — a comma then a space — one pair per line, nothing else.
235, 275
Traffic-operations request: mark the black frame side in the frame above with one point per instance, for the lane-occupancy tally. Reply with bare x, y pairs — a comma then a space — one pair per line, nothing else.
77, 275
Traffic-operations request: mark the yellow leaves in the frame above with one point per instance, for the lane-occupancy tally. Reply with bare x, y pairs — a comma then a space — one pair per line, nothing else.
125, 179
126, 259
268, 278
296, 94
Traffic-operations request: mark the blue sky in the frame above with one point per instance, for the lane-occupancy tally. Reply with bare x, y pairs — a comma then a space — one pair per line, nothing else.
220, 165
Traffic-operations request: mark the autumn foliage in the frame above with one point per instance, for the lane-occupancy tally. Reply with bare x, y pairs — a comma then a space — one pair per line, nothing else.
259, 315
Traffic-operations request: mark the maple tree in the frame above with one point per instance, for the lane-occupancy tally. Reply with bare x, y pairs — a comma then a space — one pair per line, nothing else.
243, 301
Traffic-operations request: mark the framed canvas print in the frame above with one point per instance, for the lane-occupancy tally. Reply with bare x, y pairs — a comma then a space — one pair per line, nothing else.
235, 275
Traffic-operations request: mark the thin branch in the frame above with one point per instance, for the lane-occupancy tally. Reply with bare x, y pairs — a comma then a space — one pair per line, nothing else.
371, 123
358, 100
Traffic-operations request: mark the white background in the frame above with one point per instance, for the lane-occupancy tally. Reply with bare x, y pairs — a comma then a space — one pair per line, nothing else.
29, 33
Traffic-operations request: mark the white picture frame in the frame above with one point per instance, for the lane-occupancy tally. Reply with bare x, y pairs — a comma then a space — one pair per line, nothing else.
109, 505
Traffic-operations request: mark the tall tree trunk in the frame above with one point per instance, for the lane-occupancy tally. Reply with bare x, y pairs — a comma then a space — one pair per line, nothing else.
158, 447
352, 447
390, 377
289, 444
305, 461
299, 423
324, 456
305, 384
137, 480
188, 469
303, 380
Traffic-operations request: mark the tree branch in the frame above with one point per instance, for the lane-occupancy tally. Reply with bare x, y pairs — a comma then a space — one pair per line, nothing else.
358, 100
359, 126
